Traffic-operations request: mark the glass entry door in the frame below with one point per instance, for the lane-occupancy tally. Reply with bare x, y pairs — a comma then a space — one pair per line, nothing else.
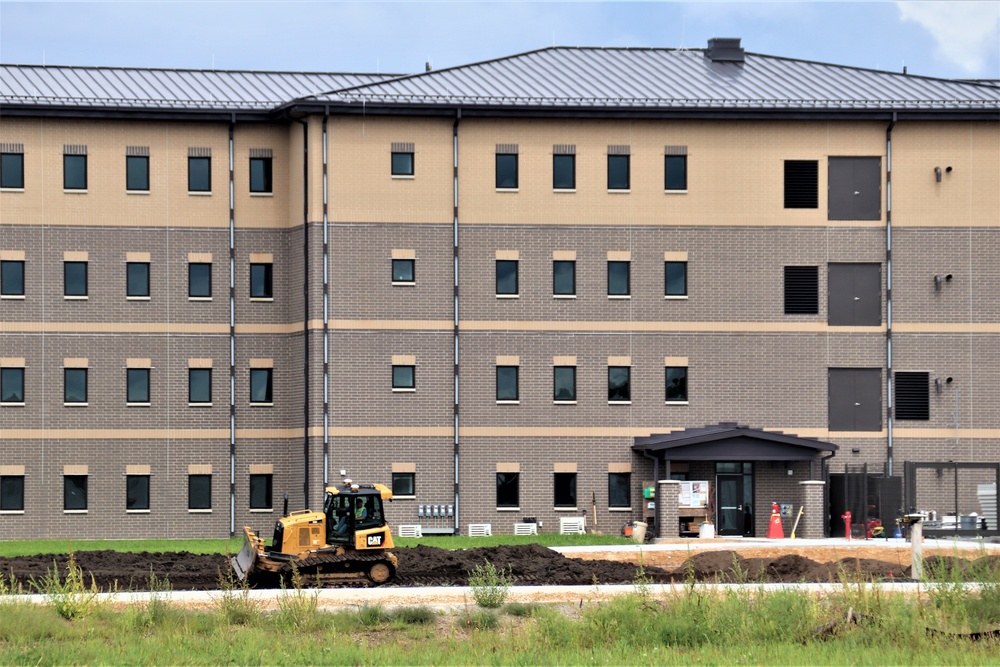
730, 504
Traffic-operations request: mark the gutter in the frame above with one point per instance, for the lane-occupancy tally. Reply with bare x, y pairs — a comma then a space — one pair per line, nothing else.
888, 293
656, 484
454, 148
326, 310
232, 332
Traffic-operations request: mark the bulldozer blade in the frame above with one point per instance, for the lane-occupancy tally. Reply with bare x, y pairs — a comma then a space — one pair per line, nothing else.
243, 562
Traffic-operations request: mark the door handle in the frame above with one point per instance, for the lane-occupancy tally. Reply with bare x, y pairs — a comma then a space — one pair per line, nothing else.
857, 405
857, 192
857, 298
739, 507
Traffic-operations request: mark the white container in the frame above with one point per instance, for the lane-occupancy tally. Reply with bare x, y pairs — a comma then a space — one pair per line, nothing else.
639, 531
706, 531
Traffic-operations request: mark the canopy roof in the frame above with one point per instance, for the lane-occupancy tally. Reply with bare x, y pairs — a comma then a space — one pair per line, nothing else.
729, 441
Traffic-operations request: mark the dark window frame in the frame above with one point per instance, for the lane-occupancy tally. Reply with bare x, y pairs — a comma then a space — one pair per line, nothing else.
261, 498
77, 372
268, 378
11, 493
207, 161
199, 498
263, 286
675, 159
508, 490
199, 373
667, 265
620, 392
681, 391
262, 182
67, 160
614, 494
137, 173
516, 288
563, 157
67, 265
12, 171
617, 264
502, 169
564, 490
6, 279
75, 484
503, 377
564, 370
401, 491
614, 179
12, 375
401, 171
137, 493
199, 265
137, 284
555, 277
137, 398
398, 277
399, 385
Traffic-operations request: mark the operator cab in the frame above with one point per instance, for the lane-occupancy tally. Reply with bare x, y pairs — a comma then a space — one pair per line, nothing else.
349, 510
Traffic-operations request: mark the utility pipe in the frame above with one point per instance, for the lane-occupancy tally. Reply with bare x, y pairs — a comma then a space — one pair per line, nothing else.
888, 291
454, 148
232, 333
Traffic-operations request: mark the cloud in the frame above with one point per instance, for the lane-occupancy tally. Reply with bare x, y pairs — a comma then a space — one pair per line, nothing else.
967, 33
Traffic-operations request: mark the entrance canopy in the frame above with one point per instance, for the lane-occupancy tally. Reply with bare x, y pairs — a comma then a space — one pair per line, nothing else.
729, 441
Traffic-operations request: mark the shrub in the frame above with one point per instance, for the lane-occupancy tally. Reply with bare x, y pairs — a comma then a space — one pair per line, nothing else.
490, 586
70, 597
479, 620
372, 615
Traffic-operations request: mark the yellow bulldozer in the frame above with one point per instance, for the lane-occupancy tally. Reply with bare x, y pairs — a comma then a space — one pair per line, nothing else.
345, 543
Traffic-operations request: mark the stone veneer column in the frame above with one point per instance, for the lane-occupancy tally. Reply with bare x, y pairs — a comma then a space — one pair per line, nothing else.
811, 498
667, 516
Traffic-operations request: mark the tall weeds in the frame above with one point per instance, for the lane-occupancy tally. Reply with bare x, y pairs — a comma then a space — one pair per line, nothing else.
69, 596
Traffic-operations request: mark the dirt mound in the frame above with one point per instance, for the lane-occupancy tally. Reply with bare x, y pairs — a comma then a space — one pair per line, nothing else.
857, 569
126, 571
712, 565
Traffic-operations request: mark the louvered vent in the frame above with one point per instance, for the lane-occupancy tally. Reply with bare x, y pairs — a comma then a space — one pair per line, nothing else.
801, 290
913, 396
801, 183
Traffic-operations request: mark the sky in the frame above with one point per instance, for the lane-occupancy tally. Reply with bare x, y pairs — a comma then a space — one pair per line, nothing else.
952, 39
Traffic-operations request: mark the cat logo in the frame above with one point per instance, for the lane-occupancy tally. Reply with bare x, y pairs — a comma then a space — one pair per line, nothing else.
375, 540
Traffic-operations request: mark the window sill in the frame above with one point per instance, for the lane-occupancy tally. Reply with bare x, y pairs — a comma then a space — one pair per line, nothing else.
675, 297
567, 190
619, 402
403, 283
404, 390
67, 297
136, 511
198, 193
262, 405
11, 511
262, 511
261, 299
498, 403
137, 192
11, 405
76, 405
619, 191
619, 509
75, 191
199, 405
508, 509
190, 511
620, 297
563, 402
404, 177
137, 405
675, 192
395, 497
563, 296
137, 298
565, 509
508, 296
199, 298
261, 194
675, 402
75, 511
507, 190
19, 297
11, 189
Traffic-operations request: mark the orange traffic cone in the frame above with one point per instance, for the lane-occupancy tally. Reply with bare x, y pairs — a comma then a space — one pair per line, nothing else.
774, 528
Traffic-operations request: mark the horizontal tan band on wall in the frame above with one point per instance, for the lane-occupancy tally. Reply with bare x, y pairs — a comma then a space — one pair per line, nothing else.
404, 360
119, 327
619, 256
138, 257
76, 256
400, 253
200, 363
76, 470
619, 467
12, 362
200, 469
564, 255
138, 470
508, 254
508, 360
11, 470
404, 467
276, 329
508, 467
383, 325
200, 257
675, 256
619, 361
261, 258
114, 434
675, 361
564, 361
946, 327
261, 363
12, 255
76, 362
563, 467
384, 431
270, 433
635, 326
138, 362
261, 468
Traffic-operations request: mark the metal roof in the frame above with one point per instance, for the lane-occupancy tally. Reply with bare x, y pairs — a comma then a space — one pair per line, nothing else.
121, 87
573, 77
732, 441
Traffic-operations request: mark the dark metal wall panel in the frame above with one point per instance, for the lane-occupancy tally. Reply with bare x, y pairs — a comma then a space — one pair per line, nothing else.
855, 399
854, 188
841, 399
855, 295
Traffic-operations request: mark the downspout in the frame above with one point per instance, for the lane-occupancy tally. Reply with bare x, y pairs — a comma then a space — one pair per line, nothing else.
326, 311
656, 485
232, 333
888, 291
823, 468
454, 148
305, 309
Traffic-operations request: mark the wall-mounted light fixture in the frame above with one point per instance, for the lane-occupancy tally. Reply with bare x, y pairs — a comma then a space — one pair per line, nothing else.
938, 280
937, 173
939, 383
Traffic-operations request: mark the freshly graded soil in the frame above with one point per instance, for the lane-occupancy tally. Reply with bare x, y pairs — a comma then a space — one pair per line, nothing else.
529, 565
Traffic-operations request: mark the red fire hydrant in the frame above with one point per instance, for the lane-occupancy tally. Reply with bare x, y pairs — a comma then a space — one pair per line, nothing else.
846, 516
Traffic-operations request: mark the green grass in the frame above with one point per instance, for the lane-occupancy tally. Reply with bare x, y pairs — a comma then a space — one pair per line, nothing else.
9, 549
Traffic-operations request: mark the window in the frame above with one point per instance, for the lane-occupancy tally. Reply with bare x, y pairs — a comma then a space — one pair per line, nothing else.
855, 399
565, 489
563, 277
137, 173
403, 484
506, 171
137, 279
137, 493
801, 290
199, 280
75, 385
507, 383
619, 489
199, 492
75, 278
801, 183
564, 172
619, 384
403, 271
261, 380
74, 493
74, 172
855, 295
12, 493
12, 170
676, 383
11, 278
675, 281
12, 386
564, 383
260, 175
261, 286
260, 492
507, 277
404, 377
618, 172
854, 188
199, 174
675, 172
138, 385
913, 396
200, 385
507, 489
402, 163
618, 278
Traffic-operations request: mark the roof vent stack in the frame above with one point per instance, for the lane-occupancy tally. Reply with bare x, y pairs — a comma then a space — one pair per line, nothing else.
725, 50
